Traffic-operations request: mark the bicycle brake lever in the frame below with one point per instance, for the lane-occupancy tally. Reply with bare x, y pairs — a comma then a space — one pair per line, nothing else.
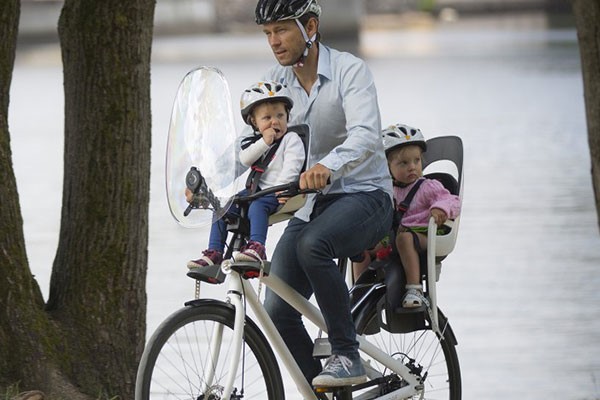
189, 209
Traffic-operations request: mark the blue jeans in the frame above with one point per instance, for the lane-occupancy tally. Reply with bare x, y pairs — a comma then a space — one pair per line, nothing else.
258, 213
341, 226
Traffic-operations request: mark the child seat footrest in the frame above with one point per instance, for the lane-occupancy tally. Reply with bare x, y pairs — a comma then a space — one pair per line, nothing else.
210, 274
251, 269
399, 319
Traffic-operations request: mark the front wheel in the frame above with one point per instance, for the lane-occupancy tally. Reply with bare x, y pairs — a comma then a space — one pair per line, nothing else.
178, 363
431, 357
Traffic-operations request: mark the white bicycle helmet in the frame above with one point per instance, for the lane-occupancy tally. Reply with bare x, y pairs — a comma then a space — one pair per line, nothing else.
398, 135
262, 92
281, 10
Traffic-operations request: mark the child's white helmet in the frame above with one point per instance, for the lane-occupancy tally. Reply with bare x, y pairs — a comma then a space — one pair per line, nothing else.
398, 135
263, 92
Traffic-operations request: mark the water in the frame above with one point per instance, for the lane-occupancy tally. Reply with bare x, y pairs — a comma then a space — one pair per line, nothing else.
520, 289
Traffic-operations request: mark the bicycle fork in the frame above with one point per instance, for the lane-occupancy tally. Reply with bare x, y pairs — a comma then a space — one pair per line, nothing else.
234, 297
215, 345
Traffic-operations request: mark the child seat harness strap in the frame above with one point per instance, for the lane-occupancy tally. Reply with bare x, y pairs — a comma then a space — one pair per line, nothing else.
259, 167
401, 210
404, 204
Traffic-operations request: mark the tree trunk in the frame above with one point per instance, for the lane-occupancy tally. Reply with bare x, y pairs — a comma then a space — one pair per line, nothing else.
97, 288
92, 332
587, 18
22, 319
29, 341
16, 285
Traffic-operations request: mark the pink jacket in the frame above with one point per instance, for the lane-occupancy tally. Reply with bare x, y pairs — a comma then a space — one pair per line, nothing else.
431, 194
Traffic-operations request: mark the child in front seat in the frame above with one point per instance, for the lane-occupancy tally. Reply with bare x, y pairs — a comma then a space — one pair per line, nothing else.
404, 147
276, 156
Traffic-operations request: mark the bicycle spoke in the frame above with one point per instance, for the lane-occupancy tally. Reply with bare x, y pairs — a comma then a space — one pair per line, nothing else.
179, 359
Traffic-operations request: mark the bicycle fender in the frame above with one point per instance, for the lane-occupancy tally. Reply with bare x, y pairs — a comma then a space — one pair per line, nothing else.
199, 302
365, 304
220, 303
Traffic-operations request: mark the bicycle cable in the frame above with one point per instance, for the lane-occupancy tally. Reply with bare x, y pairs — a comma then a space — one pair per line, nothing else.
260, 276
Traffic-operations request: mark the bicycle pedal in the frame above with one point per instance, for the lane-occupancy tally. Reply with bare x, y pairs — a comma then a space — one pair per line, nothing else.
339, 390
210, 274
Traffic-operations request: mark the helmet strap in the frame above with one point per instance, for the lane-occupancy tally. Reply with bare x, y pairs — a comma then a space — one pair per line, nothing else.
309, 43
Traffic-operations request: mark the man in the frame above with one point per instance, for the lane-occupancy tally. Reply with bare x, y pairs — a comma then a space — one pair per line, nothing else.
334, 93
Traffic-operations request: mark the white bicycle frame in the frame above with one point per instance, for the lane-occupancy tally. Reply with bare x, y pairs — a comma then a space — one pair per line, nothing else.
238, 287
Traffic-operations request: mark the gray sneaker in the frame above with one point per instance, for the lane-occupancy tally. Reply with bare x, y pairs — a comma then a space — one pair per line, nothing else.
341, 371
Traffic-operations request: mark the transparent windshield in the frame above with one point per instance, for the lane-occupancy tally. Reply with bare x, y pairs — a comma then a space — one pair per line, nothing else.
201, 135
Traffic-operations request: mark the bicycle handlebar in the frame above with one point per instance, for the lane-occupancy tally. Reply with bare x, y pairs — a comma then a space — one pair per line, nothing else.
205, 199
203, 195
285, 190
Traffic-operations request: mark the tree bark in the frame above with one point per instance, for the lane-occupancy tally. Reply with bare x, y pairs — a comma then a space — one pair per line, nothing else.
21, 301
587, 18
89, 336
12, 244
97, 288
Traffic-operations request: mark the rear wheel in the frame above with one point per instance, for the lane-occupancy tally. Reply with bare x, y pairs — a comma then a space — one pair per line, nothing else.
431, 357
177, 362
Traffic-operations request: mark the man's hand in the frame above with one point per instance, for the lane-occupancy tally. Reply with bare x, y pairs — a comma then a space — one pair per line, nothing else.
315, 177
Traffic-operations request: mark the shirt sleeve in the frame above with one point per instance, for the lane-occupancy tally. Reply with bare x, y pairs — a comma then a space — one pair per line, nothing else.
253, 152
441, 198
363, 124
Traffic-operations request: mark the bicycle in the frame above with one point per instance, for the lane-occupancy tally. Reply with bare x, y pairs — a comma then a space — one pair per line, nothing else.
211, 349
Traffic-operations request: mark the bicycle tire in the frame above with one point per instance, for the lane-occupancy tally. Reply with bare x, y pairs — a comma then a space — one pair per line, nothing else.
435, 355
174, 361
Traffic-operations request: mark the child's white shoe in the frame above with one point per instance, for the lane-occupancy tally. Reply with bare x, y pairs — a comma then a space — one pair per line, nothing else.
413, 297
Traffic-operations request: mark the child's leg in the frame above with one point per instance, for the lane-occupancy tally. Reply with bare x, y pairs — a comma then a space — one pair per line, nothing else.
258, 213
213, 255
218, 235
409, 245
409, 255
358, 267
218, 232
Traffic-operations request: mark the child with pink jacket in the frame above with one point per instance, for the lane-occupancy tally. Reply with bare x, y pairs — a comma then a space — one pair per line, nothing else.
404, 148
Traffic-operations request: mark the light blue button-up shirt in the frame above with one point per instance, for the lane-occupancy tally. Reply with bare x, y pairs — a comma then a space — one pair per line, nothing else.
345, 125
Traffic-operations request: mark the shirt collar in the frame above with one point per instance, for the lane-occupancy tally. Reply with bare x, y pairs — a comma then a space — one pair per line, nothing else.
324, 64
